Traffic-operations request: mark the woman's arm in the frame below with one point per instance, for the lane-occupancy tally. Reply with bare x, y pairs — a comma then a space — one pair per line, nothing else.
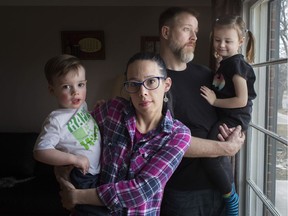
152, 178
152, 170
211, 148
70, 196
62, 172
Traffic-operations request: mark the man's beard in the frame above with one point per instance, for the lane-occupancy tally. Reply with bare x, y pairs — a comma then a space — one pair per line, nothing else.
185, 54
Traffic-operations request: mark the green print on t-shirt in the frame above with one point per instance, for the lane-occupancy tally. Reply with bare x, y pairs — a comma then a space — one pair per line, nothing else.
84, 128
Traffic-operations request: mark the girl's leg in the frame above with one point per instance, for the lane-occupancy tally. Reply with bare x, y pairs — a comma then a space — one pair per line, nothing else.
219, 171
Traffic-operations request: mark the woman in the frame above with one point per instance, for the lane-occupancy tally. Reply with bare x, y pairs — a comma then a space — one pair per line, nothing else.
142, 144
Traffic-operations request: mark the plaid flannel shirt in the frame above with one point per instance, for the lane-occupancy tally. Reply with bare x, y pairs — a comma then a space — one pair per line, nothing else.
133, 175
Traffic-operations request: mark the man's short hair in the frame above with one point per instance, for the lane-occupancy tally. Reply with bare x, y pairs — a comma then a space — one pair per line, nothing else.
167, 16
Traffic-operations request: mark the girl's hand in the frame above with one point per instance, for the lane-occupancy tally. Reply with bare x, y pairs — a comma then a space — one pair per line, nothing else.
208, 94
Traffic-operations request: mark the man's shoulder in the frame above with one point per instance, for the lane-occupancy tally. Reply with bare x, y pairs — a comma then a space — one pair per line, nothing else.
201, 67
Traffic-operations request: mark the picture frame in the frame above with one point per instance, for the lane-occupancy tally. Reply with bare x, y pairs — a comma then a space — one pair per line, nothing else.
86, 45
150, 44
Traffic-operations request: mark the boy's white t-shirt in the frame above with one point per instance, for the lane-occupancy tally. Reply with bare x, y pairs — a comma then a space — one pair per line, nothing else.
73, 131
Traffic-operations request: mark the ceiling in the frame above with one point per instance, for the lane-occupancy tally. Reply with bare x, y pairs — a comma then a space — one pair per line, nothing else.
105, 2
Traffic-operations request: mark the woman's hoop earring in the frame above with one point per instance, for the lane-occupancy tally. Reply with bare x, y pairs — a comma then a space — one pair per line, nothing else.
165, 99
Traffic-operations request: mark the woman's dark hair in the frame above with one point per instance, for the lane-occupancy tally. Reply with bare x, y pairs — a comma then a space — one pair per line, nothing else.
148, 56
160, 62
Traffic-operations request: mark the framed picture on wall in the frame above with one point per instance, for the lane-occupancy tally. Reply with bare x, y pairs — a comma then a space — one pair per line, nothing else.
150, 44
86, 45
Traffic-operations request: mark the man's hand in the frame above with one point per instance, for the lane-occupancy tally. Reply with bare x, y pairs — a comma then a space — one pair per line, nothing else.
234, 138
225, 131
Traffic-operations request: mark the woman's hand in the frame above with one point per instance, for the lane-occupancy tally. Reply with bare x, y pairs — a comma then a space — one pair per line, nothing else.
70, 196
62, 172
67, 194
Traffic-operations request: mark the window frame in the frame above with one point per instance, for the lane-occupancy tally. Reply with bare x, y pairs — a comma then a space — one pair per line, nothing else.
253, 200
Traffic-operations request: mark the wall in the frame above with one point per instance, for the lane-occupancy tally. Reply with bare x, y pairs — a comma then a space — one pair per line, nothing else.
31, 34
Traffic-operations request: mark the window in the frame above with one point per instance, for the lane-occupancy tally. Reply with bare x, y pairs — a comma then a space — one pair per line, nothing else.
264, 160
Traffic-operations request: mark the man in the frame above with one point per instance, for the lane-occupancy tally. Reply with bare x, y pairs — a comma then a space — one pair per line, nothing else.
189, 191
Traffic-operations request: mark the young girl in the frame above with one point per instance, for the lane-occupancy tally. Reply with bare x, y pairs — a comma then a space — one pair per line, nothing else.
232, 95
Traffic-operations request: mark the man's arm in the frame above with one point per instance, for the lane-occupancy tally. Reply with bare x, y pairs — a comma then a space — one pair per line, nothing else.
229, 144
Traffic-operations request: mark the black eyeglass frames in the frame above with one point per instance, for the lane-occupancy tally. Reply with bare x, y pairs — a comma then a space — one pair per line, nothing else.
150, 83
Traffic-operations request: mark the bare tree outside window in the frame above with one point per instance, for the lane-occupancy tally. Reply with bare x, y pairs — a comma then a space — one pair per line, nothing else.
283, 53
282, 118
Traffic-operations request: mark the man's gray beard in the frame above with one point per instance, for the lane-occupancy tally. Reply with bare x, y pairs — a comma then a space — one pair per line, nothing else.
186, 56
180, 52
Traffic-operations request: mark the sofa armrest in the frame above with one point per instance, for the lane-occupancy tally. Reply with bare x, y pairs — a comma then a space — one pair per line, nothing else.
17, 154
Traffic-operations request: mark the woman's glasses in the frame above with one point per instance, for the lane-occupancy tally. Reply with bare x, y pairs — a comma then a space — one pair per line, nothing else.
150, 83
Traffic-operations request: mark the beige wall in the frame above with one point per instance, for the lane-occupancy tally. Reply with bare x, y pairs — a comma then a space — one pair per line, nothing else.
31, 35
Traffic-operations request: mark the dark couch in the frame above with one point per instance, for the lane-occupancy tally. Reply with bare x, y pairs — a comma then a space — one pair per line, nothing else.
27, 187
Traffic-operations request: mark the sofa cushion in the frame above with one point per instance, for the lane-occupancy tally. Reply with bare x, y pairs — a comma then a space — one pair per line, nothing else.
36, 197
16, 155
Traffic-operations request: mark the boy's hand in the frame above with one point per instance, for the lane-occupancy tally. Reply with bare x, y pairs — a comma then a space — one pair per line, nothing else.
82, 163
99, 103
